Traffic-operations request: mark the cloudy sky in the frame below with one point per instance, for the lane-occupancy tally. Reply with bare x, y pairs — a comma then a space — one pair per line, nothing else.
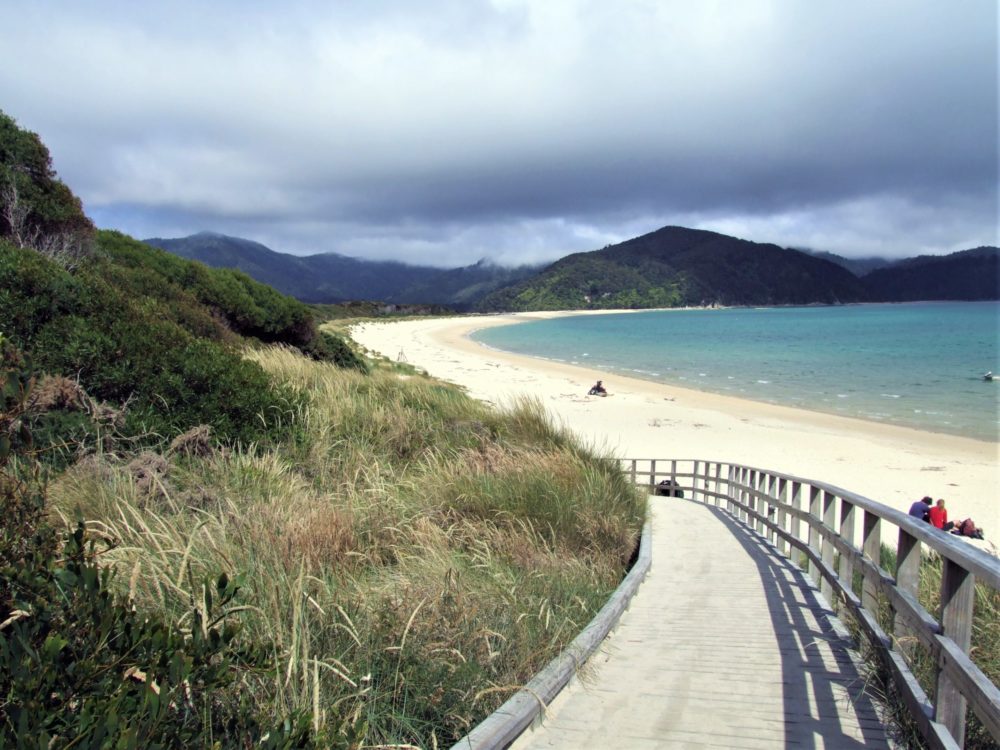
444, 131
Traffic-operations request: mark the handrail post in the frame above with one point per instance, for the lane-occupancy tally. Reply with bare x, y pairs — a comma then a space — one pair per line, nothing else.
633, 470
872, 546
762, 503
800, 556
740, 492
652, 475
760, 487
846, 568
734, 490
718, 483
783, 514
747, 496
772, 497
958, 597
694, 480
908, 580
814, 536
829, 550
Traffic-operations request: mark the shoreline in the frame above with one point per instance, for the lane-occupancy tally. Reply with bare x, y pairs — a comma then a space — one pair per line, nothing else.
648, 419
614, 373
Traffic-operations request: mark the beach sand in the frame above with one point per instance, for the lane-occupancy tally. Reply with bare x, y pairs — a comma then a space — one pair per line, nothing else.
642, 419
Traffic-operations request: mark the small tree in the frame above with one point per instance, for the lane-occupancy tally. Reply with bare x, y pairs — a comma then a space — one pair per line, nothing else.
37, 210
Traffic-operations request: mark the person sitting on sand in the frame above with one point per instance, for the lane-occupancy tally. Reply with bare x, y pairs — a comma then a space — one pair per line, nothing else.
921, 508
938, 517
597, 390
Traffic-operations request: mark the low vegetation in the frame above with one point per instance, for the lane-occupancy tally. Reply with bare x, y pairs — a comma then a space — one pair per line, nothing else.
407, 560
984, 652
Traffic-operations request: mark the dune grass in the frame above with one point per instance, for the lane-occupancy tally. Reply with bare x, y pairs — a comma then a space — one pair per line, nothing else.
411, 556
984, 652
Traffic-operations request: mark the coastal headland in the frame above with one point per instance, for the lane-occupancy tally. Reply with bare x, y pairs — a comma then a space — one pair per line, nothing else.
643, 419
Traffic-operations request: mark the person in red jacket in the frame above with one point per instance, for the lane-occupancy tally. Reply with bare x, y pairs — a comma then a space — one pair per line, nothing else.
938, 517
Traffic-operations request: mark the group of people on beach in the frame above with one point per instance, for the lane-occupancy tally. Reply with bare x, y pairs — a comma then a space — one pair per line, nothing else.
937, 516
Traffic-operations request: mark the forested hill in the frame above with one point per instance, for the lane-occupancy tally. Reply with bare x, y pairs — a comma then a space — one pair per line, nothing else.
331, 277
676, 266
965, 275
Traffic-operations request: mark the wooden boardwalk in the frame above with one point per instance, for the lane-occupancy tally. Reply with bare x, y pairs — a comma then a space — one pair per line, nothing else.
725, 645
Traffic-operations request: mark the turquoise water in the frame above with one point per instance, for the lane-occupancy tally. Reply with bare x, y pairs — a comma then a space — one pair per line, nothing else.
917, 364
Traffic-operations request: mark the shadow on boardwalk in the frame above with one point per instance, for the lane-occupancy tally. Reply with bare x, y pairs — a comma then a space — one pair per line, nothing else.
726, 645
811, 675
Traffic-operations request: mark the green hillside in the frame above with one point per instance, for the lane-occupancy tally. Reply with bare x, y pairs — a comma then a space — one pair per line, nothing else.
965, 275
676, 266
156, 337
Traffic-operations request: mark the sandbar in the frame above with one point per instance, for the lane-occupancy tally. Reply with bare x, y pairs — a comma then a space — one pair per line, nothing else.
643, 419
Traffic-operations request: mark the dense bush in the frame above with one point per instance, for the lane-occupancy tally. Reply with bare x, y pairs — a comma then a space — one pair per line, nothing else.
330, 347
124, 346
247, 306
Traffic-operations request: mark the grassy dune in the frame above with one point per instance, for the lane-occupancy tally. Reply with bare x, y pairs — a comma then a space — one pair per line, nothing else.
410, 556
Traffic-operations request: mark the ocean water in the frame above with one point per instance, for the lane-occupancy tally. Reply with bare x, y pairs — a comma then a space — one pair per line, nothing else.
916, 364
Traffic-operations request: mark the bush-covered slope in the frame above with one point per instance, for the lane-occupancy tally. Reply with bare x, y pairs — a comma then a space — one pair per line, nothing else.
131, 340
966, 275
677, 266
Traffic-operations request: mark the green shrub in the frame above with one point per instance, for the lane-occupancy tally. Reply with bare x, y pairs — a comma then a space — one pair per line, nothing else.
331, 347
125, 347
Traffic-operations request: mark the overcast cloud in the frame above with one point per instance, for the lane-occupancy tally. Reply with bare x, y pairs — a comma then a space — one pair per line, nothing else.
449, 130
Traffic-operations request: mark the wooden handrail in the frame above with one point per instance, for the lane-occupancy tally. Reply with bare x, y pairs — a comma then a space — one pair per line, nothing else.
817, 524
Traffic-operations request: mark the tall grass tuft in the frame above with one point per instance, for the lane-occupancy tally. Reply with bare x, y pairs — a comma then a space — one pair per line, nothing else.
984, 651
411, 556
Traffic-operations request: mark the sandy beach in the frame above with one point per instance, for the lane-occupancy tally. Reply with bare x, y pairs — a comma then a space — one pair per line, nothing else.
642, 419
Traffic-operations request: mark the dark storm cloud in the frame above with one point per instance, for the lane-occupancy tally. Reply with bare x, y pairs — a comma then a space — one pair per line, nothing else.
448, 131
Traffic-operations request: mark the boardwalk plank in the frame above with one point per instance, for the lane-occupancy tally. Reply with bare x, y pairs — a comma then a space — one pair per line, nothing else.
726, 645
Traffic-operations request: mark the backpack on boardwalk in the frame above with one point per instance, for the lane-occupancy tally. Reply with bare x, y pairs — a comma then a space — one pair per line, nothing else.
668, 488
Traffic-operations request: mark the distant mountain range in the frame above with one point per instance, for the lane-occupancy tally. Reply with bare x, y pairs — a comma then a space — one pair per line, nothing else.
669, 267
330, 277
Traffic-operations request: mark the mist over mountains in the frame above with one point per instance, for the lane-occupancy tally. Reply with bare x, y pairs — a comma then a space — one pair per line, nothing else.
669, 267
331, 277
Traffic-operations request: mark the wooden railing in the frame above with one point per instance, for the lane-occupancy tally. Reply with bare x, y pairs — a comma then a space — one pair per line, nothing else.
816, 524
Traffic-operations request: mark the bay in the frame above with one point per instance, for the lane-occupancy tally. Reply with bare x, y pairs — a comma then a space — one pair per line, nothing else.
918, 365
